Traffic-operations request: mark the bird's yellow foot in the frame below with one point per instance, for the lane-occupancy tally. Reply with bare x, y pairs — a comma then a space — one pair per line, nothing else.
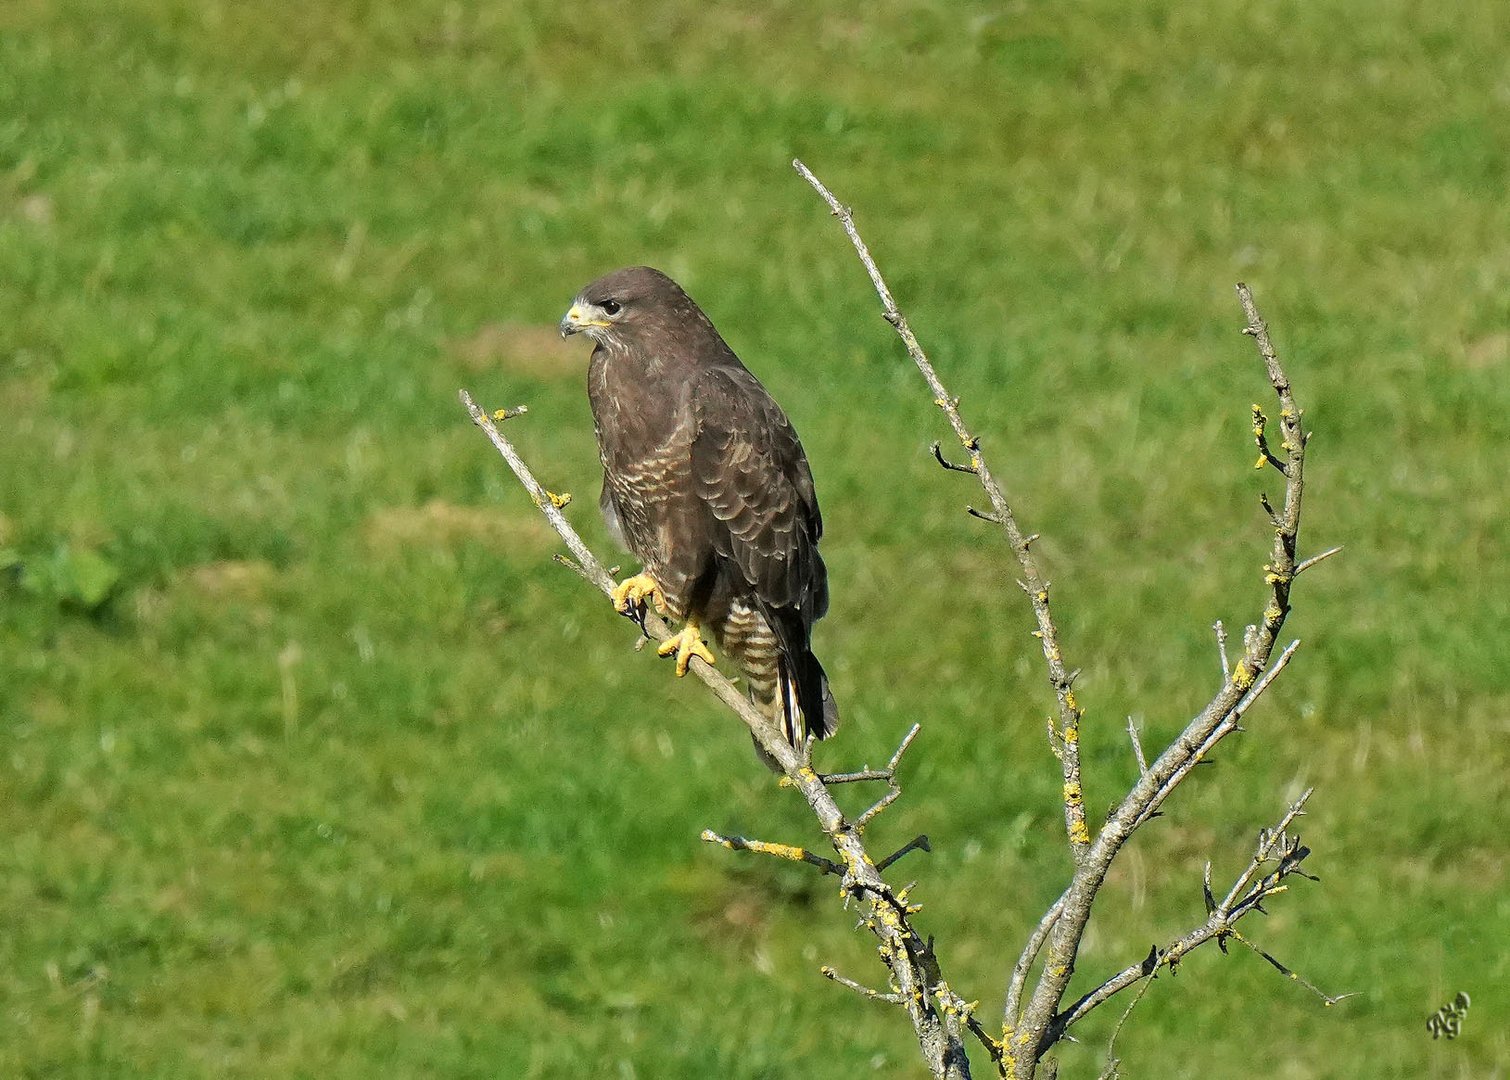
686, 644
632, 593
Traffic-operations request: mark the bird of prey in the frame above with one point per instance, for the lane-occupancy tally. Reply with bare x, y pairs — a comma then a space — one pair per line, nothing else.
706, 483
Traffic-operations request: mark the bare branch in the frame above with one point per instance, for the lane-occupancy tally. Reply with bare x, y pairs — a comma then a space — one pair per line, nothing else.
896, 758
1221, 648
1001, 515
864, 991
1032, 1031
790, 852
1248, 892
1306, 564
1111, 1069
889, 774
1029, 956
1227, 726
1326, 999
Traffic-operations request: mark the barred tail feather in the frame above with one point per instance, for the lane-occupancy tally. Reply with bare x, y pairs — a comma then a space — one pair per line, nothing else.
808, 706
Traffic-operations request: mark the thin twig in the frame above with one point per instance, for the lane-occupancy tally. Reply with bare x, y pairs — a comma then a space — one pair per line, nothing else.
790, 852
1132, 733
889, 774
864, 991
938, 454
1306, 564
858, 777
1265, 455
1202, 750
1221, 648
917, 843
1112, 1063
896, 758
1326, 999
1026, 960
1000, 514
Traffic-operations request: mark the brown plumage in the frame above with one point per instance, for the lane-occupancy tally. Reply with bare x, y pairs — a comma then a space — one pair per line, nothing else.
705, 481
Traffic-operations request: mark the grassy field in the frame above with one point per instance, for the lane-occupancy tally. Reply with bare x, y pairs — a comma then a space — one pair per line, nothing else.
316, 765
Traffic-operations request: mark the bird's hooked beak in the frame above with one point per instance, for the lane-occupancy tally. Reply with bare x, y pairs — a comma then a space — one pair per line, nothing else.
578, 319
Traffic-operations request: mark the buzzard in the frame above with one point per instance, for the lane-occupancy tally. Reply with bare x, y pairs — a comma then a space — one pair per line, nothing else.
705, 481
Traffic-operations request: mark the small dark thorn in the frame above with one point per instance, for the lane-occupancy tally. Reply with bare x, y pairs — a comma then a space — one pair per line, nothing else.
992, 518
894, 318
938, 455
1151, 961
1221, 943
1156, 813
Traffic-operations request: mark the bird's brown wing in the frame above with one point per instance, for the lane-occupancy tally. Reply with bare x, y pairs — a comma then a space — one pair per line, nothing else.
751, 473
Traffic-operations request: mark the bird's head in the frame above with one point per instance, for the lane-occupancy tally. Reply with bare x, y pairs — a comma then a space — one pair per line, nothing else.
618, 307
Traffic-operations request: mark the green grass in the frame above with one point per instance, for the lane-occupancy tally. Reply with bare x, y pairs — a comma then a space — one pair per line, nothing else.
316, 765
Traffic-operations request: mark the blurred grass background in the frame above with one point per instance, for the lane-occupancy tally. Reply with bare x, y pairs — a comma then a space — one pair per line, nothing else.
315, 765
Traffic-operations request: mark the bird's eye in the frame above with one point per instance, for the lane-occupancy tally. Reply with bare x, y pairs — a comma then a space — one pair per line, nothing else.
610, 307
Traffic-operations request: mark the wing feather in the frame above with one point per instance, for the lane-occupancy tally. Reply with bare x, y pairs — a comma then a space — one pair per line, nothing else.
749, 469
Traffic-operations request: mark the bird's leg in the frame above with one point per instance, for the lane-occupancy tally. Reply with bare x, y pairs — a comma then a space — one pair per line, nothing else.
631, 593
686, 643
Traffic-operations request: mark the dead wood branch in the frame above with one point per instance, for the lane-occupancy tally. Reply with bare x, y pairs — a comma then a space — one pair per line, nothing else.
1033, 1023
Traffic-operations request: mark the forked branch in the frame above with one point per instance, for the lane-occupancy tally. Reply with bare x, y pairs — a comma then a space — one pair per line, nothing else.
1032, 1024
